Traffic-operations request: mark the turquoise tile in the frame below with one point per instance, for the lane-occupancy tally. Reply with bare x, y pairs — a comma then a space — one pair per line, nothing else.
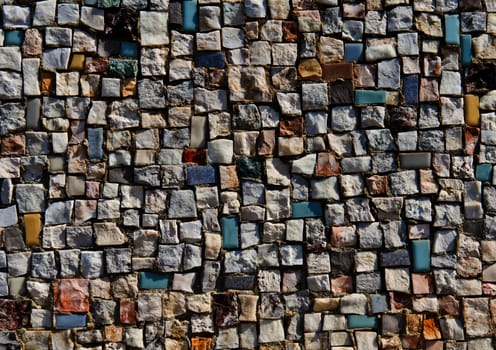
190, 15
14, 37
452, 29
306, 209
466, 43
129, 49
362, 321
483, 172
152, 280
68, 321
421, 255
230, 227
364, 97
353, 52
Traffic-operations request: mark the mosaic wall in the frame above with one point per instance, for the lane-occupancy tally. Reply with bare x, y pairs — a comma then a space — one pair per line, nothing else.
270, 174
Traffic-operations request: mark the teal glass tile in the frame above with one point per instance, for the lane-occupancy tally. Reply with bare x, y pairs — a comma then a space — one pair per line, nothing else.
68, 321
14, 38
190, 15
230, 227
452, 29
421, 255
306, 209
152, 280
364, 97
483, 172
362, 321
129, 49
466, 44
353, 52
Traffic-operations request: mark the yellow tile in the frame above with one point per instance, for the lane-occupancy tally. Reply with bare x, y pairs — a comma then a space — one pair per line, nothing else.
32, 228
77, 62
472, 115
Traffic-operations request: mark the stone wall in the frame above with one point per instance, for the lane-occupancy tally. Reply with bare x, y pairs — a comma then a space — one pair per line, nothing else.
270, 174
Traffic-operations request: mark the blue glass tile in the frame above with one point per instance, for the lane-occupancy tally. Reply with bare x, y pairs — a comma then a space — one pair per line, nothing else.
466, 43
190, 15
362, 321
353, 52
210, 59
151, 280
14, 37
129, 49
306, 209
203, 174
378, 303
452, 29
95, 142
69, 321
483, 172
229, 232
421, 255
364, 97
410, 89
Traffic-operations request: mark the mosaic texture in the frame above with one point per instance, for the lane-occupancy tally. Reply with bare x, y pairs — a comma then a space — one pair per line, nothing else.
278, 174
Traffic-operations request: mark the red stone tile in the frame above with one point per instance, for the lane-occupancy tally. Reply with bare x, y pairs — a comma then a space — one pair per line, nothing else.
198, 156
289, 31
71, 295
127, 312
216, 78
14, 314
47, 83
327, 165
399, 301
471, 136
489, 289
341, 237
13, 145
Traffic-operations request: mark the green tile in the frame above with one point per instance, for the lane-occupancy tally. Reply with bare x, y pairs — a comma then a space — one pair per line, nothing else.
483, 172
306, 209
362, 321
152, 280
364, 97
123, 68
452, 29
190, 15
421, 255
230, 229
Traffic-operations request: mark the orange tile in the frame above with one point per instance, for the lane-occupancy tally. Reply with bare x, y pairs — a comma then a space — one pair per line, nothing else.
77, 62
472, 115
200, 343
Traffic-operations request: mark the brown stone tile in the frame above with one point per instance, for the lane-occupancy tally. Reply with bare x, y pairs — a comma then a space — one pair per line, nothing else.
364, 75
289, 31
266, 142
92, 189
71, 295
410, 341
76, 159
291, 127
413, 324
96, 65
342, 285
128, 87
422, 284
127, 311
377, 185
113, 333
327, 165
47, 82
449, 305
228, 177
335, 71
310, 69
14, 314
471, 136
198, 343
13, 145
